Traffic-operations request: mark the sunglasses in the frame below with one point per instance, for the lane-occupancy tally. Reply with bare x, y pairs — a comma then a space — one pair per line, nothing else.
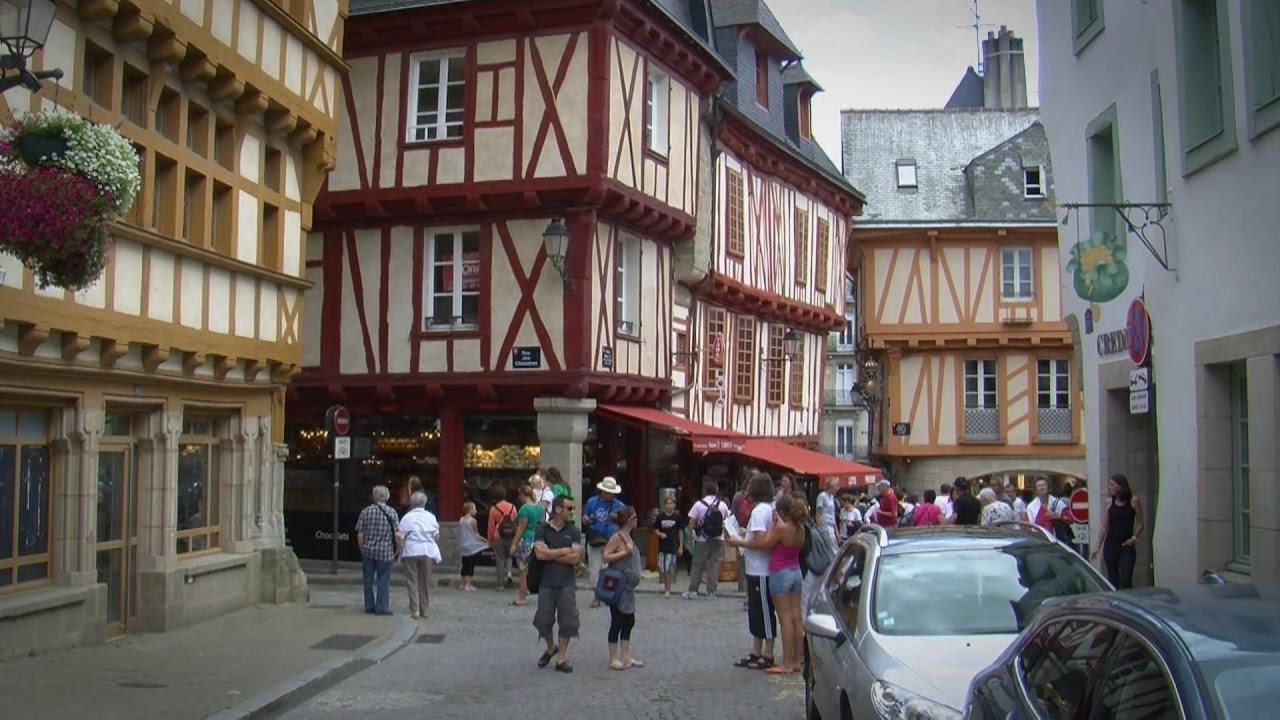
568, 507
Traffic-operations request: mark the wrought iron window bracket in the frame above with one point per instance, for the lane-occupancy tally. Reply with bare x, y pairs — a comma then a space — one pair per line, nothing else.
1140, 218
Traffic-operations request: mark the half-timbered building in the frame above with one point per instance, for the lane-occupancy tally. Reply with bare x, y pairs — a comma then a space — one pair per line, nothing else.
468, 348
141, 419
961, 303
766, 281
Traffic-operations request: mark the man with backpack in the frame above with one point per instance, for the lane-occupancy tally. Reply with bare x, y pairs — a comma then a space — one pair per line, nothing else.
706, 519
501, 530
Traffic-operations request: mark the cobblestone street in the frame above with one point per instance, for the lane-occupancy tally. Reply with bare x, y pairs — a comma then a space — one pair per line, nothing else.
485, 666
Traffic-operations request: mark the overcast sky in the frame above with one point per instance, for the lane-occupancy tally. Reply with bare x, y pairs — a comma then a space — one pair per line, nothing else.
894, 53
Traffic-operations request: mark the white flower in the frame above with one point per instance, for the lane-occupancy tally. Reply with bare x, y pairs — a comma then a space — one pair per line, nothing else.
94, 151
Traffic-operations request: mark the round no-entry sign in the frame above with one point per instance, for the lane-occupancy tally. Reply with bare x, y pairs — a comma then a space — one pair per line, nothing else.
339, 420
1078, 507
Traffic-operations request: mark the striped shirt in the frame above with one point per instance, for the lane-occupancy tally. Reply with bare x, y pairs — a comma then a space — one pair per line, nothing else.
374, 527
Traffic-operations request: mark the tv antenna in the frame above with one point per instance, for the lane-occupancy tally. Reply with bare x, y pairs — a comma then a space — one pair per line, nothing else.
977, 26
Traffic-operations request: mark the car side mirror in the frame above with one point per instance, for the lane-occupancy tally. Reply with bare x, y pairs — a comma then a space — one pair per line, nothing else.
824, 626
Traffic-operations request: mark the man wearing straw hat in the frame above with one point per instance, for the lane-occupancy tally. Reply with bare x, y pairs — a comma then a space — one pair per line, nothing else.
597, 528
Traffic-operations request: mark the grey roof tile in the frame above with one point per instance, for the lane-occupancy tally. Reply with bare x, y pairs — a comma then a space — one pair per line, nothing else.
941, 142
796, 74
726, 13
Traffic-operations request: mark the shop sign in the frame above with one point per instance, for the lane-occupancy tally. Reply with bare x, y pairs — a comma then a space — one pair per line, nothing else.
361, 448
526, 358
341, 448
470, 272
716, 444
606, 358
901, 429
1112, 343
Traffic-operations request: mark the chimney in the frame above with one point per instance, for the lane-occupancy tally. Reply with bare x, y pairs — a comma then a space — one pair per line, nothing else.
1004, 75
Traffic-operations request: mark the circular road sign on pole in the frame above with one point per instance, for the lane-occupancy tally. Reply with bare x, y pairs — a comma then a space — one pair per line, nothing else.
339, 420
1078, 506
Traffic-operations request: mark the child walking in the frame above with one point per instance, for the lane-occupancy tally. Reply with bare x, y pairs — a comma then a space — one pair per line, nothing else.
667, 527
470, 545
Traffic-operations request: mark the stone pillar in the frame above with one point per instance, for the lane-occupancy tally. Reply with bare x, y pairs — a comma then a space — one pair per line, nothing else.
75, 453
282, 577
241, 460
158, 492
562, 426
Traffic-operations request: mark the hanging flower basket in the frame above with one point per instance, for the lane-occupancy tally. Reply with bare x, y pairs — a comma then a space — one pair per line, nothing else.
62, 178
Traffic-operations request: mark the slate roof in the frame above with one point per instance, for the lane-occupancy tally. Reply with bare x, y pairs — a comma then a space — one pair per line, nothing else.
969, 93
730, 13
795, 74
941, 142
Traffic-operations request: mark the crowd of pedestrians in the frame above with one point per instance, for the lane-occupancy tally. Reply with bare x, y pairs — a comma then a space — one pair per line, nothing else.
539, 542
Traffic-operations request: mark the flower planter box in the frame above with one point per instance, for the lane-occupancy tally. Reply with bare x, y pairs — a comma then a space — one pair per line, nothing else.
40, 149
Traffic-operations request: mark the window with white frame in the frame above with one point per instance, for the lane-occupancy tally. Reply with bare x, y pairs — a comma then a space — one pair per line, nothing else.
981, 416
453, 280
1033, 182
627, 286
980, 384
845, 379
844, 439
1240, 508
437, 96
846, 340
906, 173
1015, 274
657, 112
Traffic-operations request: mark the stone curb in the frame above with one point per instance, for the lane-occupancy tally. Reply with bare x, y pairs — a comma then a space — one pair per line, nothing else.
309, 683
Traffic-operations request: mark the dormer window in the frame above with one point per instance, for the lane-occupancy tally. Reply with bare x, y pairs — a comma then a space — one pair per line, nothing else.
1033, 181
804, 115
762, 79
906, 173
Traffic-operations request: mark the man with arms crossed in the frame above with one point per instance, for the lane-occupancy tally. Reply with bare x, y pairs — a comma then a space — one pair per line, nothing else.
557, 544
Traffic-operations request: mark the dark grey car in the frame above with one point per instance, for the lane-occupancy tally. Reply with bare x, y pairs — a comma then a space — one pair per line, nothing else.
903, 619
1207, 651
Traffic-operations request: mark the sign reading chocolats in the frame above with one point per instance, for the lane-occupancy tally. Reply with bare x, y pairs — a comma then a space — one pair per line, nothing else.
310, 534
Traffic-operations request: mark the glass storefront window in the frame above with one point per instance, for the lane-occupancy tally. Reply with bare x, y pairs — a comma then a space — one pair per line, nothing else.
25, 496
198, 481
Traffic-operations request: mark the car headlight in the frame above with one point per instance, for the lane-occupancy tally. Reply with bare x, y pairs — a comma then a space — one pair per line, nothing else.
894, 703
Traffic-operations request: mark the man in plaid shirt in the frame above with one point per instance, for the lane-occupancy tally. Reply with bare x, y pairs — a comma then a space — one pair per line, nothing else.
376, 535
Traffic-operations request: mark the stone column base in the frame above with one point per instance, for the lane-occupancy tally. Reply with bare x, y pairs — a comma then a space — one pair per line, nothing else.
282, 579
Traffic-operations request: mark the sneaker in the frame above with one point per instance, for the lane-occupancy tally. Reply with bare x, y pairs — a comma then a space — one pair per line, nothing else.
712, 596
689, 595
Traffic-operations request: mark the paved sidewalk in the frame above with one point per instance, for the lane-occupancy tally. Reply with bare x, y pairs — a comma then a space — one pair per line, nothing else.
320, 575
247, 664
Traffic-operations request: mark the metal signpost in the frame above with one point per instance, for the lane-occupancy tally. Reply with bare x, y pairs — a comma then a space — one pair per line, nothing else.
337, 420
1078, 515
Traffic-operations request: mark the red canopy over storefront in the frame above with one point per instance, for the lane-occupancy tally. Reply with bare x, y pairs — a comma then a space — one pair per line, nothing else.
703, 438
807, 462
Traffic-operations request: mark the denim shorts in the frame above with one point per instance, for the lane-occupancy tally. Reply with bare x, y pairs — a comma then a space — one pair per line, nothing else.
784, 582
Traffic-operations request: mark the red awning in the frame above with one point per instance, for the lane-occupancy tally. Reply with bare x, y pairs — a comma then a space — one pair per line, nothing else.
703, 438
807, 462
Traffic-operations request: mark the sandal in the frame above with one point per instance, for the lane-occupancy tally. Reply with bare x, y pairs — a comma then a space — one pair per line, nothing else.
517, 603
748, 661
636, 663
615, 665
761, 663
545, 659
564, 667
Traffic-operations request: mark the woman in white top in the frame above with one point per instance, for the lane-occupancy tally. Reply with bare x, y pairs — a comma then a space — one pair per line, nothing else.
541, 494
420, 531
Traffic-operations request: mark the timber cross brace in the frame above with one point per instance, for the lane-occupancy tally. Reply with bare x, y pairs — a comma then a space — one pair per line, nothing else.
1140, 218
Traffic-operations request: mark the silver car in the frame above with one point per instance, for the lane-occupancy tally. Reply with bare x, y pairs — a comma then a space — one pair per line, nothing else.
904, 619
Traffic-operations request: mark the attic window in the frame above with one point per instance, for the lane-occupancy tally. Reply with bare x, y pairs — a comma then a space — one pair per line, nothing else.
762, 79
804, 115
1033, 182
906, 173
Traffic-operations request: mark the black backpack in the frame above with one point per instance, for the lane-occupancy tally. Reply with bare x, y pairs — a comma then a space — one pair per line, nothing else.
507, 526
713, 521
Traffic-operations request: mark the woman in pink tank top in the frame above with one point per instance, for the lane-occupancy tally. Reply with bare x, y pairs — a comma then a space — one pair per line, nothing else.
784, 541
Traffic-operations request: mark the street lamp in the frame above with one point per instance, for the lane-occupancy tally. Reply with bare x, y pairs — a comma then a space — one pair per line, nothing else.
556, 241
24, 28
791, 344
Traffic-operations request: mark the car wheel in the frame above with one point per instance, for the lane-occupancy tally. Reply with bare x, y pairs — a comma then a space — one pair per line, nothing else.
810, 708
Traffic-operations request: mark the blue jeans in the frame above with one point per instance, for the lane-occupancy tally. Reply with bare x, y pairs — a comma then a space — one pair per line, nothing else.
382, 570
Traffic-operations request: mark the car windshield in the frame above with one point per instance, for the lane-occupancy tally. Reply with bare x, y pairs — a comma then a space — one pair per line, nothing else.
974, 592
1244, 689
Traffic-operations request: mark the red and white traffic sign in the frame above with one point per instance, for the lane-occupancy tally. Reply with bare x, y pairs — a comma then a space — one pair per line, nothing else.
340, 420
1078, 507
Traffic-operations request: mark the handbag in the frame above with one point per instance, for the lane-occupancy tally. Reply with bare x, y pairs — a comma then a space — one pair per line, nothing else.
533, 576
609, 586
395, 534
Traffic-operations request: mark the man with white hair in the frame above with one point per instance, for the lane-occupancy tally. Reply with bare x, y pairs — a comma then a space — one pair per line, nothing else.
379, 538
886, 505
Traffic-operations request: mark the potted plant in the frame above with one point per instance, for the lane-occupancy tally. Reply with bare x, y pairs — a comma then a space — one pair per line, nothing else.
62, 178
